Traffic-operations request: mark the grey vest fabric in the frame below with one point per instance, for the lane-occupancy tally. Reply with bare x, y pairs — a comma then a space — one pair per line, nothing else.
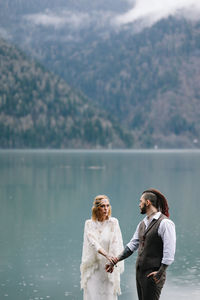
150, 250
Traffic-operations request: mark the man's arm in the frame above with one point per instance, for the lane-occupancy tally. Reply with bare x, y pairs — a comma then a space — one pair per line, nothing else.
131, 247
114, 260
128, 250
125, 253
168, 234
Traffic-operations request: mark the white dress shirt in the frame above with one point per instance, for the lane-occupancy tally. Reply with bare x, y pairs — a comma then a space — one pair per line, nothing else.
166, 231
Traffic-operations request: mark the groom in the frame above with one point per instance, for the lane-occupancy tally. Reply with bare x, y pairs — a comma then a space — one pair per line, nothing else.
155, 239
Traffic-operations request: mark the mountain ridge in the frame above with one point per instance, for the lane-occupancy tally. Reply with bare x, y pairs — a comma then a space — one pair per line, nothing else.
147, 79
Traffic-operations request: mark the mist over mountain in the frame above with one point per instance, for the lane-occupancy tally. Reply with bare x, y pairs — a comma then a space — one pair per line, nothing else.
137, 61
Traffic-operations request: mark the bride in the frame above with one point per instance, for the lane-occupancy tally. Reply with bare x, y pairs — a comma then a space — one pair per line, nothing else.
102, 241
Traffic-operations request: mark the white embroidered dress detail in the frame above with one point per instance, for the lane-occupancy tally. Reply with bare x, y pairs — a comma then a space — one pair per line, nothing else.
94, 279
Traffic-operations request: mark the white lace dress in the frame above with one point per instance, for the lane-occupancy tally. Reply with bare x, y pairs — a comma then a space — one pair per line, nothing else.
95, 281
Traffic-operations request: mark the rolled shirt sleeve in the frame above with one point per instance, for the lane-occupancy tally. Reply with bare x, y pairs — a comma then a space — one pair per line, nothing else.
167, 232
134, 242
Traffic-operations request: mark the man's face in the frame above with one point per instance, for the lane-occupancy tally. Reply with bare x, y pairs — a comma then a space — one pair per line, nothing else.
142, 205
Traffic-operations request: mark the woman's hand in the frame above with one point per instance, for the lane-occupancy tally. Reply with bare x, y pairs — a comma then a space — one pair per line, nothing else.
109, 268
113, 260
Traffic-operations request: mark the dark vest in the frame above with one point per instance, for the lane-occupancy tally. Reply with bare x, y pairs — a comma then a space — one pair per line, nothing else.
150, 250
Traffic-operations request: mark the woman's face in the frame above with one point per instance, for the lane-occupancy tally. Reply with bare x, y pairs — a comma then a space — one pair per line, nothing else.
104, 209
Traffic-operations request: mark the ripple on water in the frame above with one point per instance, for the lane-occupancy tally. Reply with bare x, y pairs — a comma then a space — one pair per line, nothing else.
68, 294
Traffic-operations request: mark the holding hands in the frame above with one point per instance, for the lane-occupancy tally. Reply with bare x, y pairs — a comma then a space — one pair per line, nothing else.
110, 266
112, 260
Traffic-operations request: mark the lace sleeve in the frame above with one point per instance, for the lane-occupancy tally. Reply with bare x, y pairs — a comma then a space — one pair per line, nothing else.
116, 245
90, 241
115, 248
89, 257
89, 234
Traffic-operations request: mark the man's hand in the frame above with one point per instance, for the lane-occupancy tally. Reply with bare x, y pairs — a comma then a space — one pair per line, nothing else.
113, 260
155, 276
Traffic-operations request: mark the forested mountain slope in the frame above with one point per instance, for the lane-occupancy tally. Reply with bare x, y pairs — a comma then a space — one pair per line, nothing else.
149, 80
39, 110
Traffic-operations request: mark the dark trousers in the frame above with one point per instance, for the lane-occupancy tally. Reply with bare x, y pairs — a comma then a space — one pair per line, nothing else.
147, 289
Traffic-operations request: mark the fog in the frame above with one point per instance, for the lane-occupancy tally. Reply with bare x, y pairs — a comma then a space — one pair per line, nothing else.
144, 12
154, 10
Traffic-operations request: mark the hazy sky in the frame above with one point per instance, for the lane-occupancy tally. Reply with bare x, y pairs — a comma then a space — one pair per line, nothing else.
147, 11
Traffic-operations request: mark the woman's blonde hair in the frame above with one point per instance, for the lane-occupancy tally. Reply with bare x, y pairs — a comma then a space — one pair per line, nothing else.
96, 204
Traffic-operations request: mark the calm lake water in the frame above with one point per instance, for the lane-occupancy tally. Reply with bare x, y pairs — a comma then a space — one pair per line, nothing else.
46, 196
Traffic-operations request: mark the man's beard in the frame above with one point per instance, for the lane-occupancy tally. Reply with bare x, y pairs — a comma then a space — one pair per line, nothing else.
143, 209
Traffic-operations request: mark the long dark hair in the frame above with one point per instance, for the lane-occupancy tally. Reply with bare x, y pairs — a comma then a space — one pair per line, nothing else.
161, 202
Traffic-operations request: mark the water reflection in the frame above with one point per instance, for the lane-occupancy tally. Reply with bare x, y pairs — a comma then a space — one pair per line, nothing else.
46, 197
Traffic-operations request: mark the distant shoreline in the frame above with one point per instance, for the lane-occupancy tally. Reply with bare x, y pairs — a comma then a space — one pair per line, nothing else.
102, 150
